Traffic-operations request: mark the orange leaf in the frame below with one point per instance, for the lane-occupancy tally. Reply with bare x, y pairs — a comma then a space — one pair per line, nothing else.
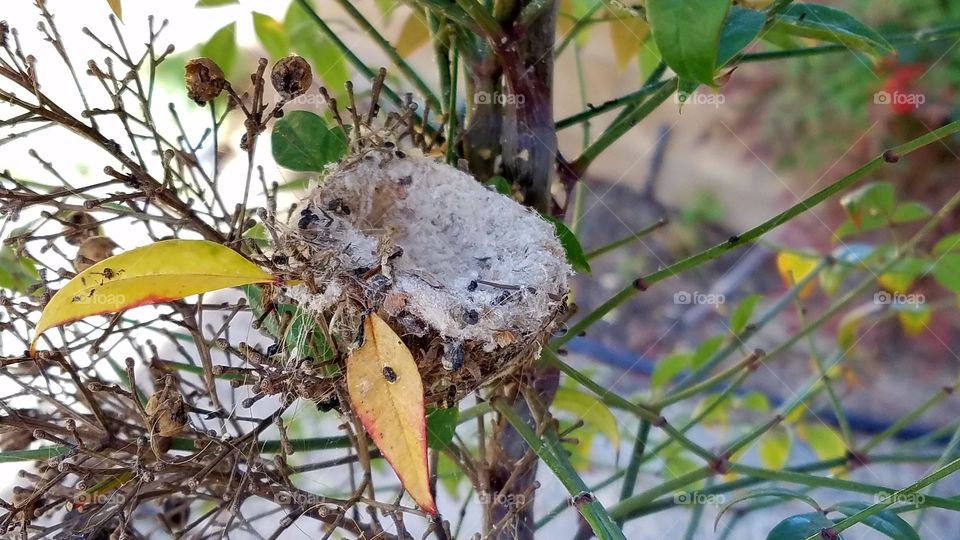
116, 8
387, 394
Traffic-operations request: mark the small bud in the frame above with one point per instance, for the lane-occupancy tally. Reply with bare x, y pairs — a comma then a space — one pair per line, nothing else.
291, 76
204, 80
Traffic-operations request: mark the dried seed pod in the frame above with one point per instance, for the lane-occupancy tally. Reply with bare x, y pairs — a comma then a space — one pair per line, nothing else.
168, 415
204, 80
291, 76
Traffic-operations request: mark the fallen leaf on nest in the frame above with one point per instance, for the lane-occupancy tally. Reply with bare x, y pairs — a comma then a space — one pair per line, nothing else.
386, 392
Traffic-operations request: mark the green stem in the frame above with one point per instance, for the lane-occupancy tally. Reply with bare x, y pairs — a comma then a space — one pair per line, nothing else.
630, 238
552, 454
618, 128
391, 52
484, 19
636, 457
624, 509
906, 419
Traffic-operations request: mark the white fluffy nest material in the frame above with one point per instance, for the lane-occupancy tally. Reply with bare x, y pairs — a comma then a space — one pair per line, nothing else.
441, 256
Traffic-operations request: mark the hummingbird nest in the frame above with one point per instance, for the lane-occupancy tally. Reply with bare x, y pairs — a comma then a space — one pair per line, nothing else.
471, 280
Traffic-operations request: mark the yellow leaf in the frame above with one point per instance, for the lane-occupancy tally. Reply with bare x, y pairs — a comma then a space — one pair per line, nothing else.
627, 34
413, 34
895, 282
565, 17
774, 448
594, 413
116, 8
161, 272
913, 321
793, 268
387, 394
825, 442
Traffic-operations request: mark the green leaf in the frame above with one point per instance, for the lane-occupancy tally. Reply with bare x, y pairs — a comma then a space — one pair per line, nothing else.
594, 413
571, 246
687, 32
780, 493
950, 242
16, 456
741, 28
271, 35
851, 321
884, 521
801, 527
17, 274
740, 317
946, 270
449, 474
215, 3
501, 185
873, 200
222, 47
258, 233
910, 211
756, 401
903, 273
774, 448
302, 332
302, 142
829, 24
831, 277
706, 350
307, 41
441, 425
669, 367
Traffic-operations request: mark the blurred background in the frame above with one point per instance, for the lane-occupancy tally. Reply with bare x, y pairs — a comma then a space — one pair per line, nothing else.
772, 135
